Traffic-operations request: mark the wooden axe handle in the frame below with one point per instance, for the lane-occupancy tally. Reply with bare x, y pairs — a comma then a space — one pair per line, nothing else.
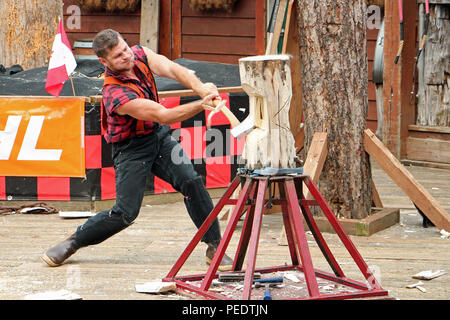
230, 116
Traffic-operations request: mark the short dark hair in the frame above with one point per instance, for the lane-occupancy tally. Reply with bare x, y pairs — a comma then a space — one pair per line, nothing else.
104, 41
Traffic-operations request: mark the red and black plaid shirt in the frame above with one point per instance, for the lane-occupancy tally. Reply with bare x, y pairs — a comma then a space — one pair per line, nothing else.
123, 127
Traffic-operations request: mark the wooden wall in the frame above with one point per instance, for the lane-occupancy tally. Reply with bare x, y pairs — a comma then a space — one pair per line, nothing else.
91, 23
220, 36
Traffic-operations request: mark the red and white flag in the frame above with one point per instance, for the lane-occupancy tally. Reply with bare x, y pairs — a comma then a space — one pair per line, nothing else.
62, 62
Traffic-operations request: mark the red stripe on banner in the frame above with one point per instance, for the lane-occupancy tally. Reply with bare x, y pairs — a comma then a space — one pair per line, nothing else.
162, 187
218, 172
2, 188
219, 118
171, 102
93, 151
108, 183
53, 188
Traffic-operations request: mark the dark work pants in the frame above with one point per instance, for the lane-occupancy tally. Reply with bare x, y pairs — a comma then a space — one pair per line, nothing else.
134, 159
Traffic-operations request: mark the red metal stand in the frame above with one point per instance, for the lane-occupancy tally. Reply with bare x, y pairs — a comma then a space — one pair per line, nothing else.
293, 206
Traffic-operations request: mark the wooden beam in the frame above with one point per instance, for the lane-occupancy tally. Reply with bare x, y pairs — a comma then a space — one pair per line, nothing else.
260, 27
291, 47
376, 200
273, 49
405, 180
299, 138
165, 28
176, 29
149, 36
398, 111
315, 159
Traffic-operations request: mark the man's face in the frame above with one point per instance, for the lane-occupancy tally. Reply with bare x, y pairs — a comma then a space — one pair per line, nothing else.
120, 58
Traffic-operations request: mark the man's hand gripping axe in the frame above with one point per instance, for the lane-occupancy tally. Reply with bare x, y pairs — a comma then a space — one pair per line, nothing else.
238, 129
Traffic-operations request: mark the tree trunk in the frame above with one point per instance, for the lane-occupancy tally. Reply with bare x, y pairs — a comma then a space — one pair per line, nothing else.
334, 64
27, 30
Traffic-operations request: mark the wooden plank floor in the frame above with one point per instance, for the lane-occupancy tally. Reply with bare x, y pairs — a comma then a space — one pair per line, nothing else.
148, 249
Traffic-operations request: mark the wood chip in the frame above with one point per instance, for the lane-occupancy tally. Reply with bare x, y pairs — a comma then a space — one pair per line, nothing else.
292, 277
412, 286
421, 289
155, 287
428, 274
75, 214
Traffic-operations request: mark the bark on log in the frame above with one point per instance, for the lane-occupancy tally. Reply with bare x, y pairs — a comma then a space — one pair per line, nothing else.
267, 82
27, 30
335, 98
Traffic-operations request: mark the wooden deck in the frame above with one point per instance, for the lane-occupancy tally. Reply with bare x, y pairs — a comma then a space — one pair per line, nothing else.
148, 249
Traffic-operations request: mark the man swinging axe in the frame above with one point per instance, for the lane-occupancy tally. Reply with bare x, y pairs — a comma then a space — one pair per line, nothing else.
137, 127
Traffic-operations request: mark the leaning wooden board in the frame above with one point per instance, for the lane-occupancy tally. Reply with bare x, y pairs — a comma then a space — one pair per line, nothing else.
405, 180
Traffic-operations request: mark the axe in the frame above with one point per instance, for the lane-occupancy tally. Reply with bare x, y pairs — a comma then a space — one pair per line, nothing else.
238, 129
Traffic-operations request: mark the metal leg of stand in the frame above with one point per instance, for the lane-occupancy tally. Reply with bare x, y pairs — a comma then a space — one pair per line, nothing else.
315, 230
341, 233
254, 240
299, 232
246, 232
202, 230
227, 235
288, 226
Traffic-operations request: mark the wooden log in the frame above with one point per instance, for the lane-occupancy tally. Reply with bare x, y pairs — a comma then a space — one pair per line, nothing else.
267, 82
405, 180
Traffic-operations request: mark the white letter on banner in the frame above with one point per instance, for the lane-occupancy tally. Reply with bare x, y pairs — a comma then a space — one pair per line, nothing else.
8, 136
29, 151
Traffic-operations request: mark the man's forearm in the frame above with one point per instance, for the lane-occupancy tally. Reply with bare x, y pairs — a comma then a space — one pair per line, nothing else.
181, 112
188, 79
147, 110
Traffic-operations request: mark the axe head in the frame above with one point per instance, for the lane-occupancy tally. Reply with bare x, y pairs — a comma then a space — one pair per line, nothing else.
243, 128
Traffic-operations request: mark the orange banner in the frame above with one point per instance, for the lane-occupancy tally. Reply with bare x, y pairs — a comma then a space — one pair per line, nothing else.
42, 137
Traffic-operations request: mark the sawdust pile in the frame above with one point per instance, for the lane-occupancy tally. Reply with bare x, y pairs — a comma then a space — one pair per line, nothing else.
109, 5
207, 5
